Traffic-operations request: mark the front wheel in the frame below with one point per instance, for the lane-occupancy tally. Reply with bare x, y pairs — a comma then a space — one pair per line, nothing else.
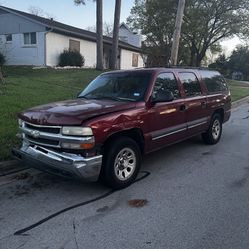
213, 134
121, 163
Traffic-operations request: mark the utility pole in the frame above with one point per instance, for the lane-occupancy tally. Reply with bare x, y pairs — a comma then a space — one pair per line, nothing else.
177, 32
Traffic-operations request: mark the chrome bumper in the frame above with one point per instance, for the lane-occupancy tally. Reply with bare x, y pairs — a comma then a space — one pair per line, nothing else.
63, 164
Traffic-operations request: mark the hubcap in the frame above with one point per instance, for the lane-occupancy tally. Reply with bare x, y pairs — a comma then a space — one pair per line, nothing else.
125, 164
216, 129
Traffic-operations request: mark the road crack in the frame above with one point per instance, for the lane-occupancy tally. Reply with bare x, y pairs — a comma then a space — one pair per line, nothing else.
81, 204
74, 232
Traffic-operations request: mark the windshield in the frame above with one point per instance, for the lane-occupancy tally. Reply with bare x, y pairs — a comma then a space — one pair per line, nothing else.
118, 86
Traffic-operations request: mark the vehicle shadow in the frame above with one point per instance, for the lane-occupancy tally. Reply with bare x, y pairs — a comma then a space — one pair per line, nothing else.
32, 182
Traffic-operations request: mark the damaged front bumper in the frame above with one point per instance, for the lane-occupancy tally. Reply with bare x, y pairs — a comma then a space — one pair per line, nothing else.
60, 163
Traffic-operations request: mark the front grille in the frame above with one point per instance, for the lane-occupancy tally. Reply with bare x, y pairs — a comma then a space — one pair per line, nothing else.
43, 141
54, 130
50, 136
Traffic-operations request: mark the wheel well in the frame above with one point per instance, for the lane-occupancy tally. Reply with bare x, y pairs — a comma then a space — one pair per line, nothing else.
135, 134
221, 113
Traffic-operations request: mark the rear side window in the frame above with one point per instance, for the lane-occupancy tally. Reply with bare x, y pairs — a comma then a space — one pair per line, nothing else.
167, 82
214, 81
191, 84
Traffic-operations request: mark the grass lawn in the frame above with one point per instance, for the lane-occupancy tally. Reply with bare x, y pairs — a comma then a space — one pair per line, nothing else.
238, 89
27, 87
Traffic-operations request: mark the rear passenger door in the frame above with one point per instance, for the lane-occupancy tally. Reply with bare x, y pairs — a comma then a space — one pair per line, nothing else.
197, 117
167, 119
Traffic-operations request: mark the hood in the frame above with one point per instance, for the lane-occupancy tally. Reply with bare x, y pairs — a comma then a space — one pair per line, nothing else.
72, 112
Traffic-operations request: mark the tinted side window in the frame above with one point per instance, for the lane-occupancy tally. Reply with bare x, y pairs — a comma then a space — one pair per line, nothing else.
214, 81
191, 84
166, 82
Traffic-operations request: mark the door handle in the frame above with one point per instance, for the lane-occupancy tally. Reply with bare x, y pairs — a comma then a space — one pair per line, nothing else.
182, 108
203, 104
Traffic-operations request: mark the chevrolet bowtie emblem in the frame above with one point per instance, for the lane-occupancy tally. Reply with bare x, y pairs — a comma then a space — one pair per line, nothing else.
35, 134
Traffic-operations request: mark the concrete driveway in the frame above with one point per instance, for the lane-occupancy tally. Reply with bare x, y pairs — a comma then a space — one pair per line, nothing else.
189, 195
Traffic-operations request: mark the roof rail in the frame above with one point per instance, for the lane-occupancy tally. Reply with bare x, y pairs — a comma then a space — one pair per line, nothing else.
188, 67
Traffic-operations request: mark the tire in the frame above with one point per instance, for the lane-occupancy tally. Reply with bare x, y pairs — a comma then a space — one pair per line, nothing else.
121, 163
213, 134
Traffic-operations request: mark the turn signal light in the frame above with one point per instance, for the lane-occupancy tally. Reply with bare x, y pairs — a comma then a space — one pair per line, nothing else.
87, 146
75, 146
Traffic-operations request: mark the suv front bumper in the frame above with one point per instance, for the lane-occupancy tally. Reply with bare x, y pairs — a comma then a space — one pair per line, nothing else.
63, 164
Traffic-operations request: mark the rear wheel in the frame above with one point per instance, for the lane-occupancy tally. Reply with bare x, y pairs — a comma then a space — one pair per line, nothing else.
121, 163
213, 134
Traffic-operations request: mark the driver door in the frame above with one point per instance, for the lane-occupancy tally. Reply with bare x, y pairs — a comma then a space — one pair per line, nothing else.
167, 119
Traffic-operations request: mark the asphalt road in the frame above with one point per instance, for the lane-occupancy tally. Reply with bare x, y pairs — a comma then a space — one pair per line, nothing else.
196, 196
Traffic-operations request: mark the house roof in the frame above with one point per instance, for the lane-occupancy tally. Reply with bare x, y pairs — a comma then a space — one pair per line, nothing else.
62, 28
127, 27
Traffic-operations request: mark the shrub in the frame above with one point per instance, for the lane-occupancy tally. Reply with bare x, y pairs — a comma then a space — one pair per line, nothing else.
71, 58
2, 59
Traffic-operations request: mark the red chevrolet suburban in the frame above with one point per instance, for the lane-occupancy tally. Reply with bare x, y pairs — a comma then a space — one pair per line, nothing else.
120, 116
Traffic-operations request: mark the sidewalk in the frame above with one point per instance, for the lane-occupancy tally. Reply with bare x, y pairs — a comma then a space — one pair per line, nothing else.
240, 102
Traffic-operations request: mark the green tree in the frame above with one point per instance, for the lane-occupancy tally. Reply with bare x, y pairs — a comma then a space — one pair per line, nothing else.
156, 19
221, 64
239, 61
99, 29
206, 23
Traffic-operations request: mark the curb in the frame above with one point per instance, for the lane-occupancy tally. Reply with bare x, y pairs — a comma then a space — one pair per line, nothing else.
13, 166
240, 102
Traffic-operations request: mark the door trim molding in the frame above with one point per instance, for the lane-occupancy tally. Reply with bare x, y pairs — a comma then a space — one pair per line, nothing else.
178, 128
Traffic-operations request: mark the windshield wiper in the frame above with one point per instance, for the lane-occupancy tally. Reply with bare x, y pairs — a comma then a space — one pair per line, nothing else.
82, 97
127, 99
106, 97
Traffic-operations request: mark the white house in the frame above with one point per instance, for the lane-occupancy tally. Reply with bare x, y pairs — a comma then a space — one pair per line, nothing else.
127, 35
27, 39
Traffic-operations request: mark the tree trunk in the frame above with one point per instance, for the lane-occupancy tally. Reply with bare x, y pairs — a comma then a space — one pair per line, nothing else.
114, 56
192, 56
199, 57
99, 26
1, 76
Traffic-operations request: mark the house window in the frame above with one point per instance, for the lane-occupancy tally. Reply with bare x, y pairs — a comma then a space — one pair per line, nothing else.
135, 60
74, 45
29, 38
8, 38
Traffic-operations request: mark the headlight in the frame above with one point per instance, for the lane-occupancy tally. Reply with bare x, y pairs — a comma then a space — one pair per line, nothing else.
20, 122
77, 131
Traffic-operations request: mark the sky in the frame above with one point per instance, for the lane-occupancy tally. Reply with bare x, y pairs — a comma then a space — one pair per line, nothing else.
229, 44
65, 11
84, 16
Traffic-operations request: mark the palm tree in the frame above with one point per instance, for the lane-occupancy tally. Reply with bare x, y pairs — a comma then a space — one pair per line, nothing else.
114, 56
99, 27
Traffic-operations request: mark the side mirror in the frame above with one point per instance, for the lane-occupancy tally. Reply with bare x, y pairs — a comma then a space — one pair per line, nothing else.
78, 94
163, 96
